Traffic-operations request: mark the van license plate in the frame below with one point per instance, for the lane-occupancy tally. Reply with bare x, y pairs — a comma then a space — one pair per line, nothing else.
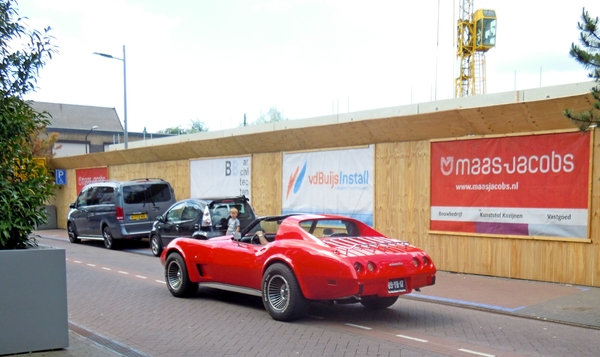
396, 286
137, 217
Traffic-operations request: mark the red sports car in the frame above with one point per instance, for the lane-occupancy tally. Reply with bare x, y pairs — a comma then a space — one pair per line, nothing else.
293, 259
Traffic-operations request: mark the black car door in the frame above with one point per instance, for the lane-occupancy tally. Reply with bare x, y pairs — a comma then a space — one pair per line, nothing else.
169, 228
190, 220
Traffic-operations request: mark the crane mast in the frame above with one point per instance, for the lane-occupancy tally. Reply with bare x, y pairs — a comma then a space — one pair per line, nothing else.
476, 34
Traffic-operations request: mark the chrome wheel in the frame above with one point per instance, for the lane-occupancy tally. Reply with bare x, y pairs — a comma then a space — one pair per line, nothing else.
174, 278
278, 292
281, 293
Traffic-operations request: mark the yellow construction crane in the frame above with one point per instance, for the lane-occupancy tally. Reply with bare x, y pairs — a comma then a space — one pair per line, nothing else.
476, 34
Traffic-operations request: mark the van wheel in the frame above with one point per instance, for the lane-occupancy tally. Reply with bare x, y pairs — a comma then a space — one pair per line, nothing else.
155, 245
72, 233
109, 241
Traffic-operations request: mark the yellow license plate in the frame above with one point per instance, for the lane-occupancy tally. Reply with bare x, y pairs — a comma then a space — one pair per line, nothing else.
137, 217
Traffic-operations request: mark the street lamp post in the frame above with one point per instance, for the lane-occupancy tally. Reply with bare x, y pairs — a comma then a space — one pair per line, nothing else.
86, 135
125, 136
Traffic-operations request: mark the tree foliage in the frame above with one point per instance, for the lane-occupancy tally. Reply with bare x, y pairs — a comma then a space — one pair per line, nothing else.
271, 116
588, 54
25, 186
196, 126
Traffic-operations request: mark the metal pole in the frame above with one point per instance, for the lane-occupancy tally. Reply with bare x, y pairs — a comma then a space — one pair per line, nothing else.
86, 138
126, 137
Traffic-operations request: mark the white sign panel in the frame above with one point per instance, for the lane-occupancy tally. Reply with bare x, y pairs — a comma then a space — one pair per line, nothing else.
220, 177
337, 182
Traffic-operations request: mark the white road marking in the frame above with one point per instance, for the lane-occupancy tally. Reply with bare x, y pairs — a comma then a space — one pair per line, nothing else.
359, 326
412, 338
105, 268
141, 277
123, 272
160, 281
76, 261
91, 265
476, 353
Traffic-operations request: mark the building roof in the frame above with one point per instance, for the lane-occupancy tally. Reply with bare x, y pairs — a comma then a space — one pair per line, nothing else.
80, 117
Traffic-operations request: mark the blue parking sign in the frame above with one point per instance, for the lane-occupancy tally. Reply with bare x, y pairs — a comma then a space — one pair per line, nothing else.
61, 176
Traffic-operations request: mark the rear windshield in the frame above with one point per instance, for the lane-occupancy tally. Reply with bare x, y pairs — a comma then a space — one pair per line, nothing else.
146, 193
221, 210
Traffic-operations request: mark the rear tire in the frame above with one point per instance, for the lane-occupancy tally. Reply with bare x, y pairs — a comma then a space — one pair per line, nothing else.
156, 245
281, 293
177, 278
109, 240
379, 303
72, 233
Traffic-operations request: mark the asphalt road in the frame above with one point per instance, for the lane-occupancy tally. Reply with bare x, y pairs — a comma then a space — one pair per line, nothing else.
119, 299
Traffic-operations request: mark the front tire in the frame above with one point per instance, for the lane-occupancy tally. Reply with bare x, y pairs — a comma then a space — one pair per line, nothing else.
378, 303
109, 240
155, 245
281, 293
177, 277
72, 233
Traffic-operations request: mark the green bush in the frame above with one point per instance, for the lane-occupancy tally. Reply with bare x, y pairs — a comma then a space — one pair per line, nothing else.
25, 185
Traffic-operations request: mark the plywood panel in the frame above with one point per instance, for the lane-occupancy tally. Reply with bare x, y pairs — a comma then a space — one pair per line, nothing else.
266, 183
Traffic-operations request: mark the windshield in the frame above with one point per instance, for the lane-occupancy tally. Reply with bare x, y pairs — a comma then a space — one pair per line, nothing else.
323, 228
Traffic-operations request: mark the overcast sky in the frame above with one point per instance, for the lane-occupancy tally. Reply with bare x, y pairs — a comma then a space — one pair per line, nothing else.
215, 61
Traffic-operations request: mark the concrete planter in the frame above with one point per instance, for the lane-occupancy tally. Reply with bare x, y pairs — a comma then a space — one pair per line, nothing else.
33, 302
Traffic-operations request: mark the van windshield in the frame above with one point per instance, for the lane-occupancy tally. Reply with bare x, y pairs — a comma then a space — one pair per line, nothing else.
151, 193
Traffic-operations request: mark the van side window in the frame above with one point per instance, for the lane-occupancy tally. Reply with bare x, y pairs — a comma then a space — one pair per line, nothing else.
146, 193
159, 192
106, 195
82, 199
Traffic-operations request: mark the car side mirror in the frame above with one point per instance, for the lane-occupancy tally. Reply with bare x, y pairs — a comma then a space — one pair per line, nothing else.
237, 236
72, 205
160, 219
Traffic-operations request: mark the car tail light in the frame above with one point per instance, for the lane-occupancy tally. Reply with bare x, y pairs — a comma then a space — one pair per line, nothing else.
425, 261
358, 267
415, 262
371, 266
120, 215
206, 221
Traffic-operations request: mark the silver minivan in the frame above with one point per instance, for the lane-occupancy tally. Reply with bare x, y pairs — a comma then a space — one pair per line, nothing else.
115, 210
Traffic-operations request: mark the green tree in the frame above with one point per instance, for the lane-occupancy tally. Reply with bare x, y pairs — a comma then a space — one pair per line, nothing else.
25, 186
588, 54
271, 116
196, 126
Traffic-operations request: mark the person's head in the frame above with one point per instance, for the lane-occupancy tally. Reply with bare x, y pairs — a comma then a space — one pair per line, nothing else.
233, 212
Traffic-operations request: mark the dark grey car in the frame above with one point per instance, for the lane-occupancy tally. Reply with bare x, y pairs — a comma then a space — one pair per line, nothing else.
114, 210
200, 218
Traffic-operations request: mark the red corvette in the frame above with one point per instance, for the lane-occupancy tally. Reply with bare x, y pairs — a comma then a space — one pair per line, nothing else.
293, 259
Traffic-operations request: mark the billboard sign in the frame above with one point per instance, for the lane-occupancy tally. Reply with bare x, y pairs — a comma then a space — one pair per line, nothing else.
337, 182
536, 185
220, 177
85, 176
